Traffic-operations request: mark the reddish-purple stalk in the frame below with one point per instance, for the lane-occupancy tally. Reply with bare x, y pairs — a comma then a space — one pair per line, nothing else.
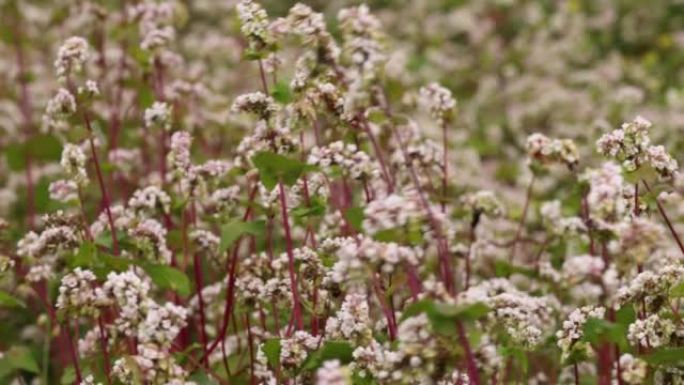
386, 308
105, 350
250, 342
443, 253
100, 180
74, 356
666, 218
232, 270
199, 279
575, 370
378, 153
297, 310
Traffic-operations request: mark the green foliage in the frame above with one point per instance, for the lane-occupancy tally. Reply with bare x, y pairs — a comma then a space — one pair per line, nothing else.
331, 350
18, 358
665, 356
232, 231
443, 317
101, 263
354, 216
271, 349
275, 167
43, 147
167, 277
9, 301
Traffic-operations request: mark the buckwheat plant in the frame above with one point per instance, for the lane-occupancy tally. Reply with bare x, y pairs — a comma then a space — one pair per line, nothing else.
404, 192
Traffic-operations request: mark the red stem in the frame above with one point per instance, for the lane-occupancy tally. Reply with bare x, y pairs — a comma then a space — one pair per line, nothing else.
297, 311
105, 351
74, 356
197, 268
232, 270
100, 179
666, 218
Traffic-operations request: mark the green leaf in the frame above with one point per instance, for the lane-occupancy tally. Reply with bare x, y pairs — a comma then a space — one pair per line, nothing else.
281, 93
506, 269
443, 317
644, 172
677, 291
316, 208
44, 147
598, 331
665, 356
517, 354
86, 255
271, 349
15, 156
354, 216
167, 277
68, 376
7, 300
470, 312
251, 54
201, 378
231, 232
20, 357
274, 167
418, 307
331, 350
625, 316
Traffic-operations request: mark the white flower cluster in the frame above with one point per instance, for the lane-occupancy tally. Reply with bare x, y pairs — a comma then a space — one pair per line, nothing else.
438, 100
155, 24
294, 350
631, 145
73, 163
63, 190
345, 156
386, 257
526, 318
546, 150
652, 332
158, 115
256, 103
71, 57
331, 373
570, 335
391, 212
254, 23
77, 294
58, 109
633, 370
352, 322
150, 198
651, 285
130, 292
151, 239
605, 198
483, 202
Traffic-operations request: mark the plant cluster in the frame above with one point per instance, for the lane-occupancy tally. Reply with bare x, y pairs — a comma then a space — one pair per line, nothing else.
206, 192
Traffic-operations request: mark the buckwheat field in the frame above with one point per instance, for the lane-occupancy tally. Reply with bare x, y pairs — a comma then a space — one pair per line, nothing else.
409, 192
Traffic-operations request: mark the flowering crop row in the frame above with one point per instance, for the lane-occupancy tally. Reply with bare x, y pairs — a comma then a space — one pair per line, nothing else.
198, 193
